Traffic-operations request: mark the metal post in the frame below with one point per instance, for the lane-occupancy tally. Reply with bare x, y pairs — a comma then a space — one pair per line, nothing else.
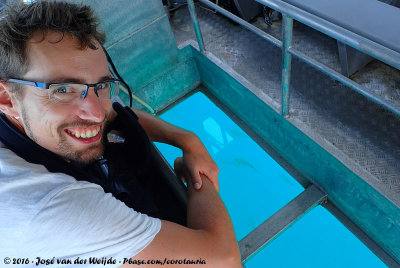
287, 32
196, 24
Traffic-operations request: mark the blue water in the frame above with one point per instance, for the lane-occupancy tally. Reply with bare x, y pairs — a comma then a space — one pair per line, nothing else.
253, 187
316, 240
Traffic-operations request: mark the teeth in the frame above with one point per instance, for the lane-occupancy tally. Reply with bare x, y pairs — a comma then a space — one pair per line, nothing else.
85, 134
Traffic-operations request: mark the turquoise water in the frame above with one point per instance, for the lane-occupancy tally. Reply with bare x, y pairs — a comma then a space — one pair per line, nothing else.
316, 240
253, 187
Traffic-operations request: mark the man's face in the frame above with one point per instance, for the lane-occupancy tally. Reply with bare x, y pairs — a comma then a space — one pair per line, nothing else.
60, 127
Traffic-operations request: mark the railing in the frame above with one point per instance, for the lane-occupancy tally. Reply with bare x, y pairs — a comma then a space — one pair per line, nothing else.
312, 196
345, 36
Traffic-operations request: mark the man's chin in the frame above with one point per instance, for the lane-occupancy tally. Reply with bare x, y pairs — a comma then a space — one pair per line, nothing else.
81, 153
86, 156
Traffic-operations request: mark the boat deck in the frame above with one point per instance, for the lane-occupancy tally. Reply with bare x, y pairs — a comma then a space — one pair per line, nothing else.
358, 132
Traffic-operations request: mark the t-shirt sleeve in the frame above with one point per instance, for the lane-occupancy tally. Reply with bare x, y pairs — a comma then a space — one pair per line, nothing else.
82, 221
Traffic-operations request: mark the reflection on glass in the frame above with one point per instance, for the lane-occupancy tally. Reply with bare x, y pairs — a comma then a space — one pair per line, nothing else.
252, 185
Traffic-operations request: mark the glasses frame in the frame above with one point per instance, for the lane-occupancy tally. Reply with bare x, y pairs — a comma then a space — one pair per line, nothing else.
46, 86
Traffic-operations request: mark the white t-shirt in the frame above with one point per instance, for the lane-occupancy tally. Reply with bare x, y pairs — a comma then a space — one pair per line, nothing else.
45, 215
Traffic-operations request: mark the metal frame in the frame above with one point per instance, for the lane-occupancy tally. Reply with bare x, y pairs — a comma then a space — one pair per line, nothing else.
287, 34
196, 25
177, 187
351, 60
361, 235
343, 35
312, 196
280, 221
299, 206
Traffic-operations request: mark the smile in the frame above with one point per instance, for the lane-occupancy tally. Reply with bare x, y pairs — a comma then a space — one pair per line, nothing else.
85, 135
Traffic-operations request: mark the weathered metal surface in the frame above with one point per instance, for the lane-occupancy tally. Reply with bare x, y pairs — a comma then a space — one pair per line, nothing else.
346, 81
244, 23
368, 208
386, 52
358, 132
287, 34
143, 48
351, 60
361, 142
196, 24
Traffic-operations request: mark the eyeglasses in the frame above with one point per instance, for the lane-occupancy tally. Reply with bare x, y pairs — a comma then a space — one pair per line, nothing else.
70, 92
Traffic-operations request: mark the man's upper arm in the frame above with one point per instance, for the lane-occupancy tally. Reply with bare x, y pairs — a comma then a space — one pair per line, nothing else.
210, 235
176, 242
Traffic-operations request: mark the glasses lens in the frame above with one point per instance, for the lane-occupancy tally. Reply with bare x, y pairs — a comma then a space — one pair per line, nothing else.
108, 89
114, 89
65, 93
69, 92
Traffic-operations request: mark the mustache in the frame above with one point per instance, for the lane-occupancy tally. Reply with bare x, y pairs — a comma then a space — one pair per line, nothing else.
82, 123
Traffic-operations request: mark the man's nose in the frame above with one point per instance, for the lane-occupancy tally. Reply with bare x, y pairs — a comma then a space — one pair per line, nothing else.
91, 108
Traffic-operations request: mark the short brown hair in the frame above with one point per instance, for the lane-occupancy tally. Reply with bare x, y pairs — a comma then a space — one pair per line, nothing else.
20, 21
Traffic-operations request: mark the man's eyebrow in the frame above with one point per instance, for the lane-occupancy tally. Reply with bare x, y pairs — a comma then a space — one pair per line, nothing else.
75, 80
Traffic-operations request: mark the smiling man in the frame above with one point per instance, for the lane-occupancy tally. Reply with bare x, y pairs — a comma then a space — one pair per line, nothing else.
57, 118
57, 163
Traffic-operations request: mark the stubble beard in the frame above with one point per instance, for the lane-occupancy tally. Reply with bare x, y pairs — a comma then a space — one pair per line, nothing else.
86, 156
64, 148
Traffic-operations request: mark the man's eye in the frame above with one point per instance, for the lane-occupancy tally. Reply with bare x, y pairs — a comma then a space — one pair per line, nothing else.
101, 85
61, 90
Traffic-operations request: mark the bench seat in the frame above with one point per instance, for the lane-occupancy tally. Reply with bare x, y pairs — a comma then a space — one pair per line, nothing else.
372, 19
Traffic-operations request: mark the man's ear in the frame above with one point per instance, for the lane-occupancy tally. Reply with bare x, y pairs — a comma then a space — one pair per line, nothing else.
7, 100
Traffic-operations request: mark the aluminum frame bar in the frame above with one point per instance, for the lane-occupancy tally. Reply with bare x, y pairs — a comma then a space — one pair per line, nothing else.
287, 34
244, 23
344, 80
196, 26
362, 236
280, 221
345, 36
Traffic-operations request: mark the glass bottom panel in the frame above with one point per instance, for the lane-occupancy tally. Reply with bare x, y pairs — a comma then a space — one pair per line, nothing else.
252, 185
316, 240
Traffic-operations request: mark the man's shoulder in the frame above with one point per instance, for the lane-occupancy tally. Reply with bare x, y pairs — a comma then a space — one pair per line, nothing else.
25, 189
42, 212
23, 182
13, 167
